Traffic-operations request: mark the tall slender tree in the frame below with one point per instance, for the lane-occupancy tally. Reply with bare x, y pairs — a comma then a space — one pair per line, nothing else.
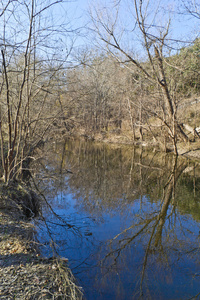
31, 46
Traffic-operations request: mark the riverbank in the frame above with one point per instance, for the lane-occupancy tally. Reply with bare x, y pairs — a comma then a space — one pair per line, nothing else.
24, 274
189, 150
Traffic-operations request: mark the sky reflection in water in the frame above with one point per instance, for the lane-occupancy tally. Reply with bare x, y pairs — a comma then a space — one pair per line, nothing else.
130, 221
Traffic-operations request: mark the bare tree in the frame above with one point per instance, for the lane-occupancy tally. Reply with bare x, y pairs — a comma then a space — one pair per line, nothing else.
95, 94
31, 65
192, 8
154, 39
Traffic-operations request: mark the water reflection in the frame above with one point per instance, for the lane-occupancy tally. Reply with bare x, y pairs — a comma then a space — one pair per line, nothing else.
127, 219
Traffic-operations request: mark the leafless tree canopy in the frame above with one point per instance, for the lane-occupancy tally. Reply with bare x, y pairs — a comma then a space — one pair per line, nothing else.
132, 82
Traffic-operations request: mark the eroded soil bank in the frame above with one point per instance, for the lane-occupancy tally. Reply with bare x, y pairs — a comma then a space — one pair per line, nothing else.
24, 274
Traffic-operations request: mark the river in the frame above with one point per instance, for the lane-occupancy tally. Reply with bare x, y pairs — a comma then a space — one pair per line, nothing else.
128, 219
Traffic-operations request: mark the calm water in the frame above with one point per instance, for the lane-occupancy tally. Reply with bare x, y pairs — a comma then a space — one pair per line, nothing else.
128, 220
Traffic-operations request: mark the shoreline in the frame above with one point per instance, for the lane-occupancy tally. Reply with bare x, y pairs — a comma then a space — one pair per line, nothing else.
24, 274
190, 150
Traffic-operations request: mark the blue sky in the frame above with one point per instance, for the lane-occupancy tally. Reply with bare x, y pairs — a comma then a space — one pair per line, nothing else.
182, 27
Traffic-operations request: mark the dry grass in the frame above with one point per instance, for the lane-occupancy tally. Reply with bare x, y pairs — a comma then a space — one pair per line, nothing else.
38, 279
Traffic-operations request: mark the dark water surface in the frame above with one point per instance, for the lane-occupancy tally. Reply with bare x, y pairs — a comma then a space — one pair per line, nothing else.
128, 220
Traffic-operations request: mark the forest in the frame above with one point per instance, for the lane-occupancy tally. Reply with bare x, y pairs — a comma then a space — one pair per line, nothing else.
132, 82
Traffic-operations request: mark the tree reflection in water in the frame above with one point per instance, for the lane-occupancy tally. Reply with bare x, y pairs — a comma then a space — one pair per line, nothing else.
142, 212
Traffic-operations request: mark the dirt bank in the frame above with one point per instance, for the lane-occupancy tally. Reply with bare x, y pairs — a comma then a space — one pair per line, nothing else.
24, 274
